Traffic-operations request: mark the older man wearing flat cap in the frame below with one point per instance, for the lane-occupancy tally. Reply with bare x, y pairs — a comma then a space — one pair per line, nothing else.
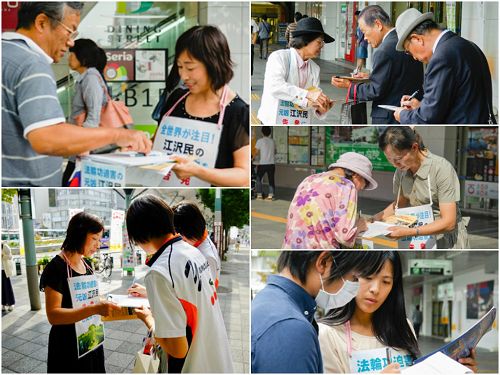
292, 79
457, 82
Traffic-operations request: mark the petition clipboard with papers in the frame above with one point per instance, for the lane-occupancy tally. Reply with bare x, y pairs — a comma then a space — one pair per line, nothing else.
462, 345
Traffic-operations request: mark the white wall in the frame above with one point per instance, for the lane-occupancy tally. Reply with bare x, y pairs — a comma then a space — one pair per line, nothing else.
480, 25
460, 282
233, 18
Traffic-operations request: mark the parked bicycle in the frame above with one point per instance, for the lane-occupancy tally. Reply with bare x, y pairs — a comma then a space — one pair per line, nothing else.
105, 264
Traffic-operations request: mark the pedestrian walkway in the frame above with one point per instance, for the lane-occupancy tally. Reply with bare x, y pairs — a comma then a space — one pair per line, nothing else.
269, 222
327, 70
25, 333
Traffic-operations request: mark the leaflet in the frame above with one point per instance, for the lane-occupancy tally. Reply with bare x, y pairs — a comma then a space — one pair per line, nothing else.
462, 345
389, 107
377, 228
437, 364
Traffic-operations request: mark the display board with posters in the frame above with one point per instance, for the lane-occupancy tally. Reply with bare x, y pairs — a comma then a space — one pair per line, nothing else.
280, 136
479, 299
136, 65
298, 145
318, 145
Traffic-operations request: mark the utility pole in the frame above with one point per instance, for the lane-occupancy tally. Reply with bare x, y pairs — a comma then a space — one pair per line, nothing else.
218, 227
30, 249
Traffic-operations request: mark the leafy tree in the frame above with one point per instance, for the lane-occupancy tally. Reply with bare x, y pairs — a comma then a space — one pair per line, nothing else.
8, 195
234, 205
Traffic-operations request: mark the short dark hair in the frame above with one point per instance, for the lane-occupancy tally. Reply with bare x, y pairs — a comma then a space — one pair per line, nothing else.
208, 45
89, 54
301, 41
189, 221
266, 130
149, 217
400, 137
297, 16
424, 27
418, 307
79, 227
29, 10
374, 12
298, 263
394, 332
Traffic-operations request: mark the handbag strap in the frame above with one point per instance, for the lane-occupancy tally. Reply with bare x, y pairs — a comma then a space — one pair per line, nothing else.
349, 91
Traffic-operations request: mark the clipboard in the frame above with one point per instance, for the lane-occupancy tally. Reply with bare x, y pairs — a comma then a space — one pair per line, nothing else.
354, 79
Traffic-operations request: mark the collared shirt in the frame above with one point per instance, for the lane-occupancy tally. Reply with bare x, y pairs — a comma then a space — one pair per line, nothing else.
89, 97
31, 44
385, 36
284, 332
29, 102
303, 69
445, 187
438, 39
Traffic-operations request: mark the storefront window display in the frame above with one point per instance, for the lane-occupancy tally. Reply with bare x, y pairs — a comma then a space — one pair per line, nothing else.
481, 173
300, 145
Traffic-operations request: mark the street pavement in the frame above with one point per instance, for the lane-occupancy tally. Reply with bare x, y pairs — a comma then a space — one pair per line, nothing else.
25, 333
268, 221
327, 70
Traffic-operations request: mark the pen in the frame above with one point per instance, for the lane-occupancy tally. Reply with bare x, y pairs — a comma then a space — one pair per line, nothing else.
388, 354
413, 95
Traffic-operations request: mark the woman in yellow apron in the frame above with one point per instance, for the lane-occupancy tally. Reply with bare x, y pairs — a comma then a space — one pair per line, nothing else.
72, 301
426, 186
204, 123
371, 333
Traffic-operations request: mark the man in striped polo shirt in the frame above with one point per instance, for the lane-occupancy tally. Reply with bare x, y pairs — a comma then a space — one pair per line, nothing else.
35, 135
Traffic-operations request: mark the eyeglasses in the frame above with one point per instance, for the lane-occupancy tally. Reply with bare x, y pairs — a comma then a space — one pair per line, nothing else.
320, 41
72, 34
406, 48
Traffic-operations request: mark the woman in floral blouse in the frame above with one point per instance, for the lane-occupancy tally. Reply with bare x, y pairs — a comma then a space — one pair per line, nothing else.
322, 214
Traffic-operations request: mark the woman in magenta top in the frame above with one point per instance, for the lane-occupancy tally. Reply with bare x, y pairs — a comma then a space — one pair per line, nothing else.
322, 214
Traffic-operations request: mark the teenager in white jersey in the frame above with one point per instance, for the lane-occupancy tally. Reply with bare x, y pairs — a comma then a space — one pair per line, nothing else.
185, 313
191, 225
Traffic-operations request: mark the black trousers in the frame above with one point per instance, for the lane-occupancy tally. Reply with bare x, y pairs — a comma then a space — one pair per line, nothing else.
251, 61
261, 171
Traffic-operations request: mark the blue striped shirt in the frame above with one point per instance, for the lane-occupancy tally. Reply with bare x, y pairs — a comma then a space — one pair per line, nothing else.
29, 102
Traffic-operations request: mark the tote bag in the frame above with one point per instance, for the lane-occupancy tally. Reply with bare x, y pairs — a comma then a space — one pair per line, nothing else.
353, 112
114, 114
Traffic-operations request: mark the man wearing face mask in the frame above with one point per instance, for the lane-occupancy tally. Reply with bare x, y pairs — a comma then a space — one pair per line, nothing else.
284, 330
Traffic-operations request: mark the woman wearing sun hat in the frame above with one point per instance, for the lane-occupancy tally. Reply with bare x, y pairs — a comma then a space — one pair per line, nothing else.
323, 212
291, 94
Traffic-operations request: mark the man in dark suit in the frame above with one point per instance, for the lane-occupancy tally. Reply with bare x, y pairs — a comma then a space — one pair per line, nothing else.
394, 73
457, 82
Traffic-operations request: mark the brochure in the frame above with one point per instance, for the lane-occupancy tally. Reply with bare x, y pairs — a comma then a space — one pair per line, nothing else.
462, 345
128, 304
437, 364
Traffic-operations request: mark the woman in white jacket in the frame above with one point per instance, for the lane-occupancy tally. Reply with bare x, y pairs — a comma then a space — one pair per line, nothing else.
291, 83
8, 299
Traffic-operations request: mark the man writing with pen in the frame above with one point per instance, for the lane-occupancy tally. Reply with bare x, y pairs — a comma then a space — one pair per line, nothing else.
394, 73
457, 86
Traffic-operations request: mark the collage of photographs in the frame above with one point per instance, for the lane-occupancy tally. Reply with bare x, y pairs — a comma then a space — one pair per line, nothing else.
250, 187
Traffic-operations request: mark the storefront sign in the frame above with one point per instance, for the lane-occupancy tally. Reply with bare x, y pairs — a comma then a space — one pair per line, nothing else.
9, 15
481, 189
138, 65
371, 151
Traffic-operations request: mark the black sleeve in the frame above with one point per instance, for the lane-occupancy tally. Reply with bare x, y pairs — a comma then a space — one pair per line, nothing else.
54, 275
241, 125
380, 82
